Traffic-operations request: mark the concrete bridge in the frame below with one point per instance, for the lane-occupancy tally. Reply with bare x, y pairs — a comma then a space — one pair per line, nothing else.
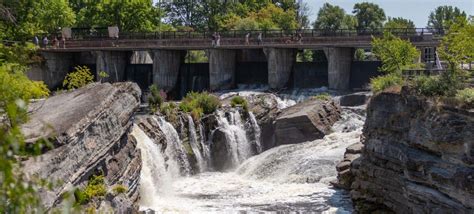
168, 49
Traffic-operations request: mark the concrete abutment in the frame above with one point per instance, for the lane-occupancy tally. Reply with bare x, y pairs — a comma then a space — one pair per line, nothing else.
113, 63
280, 65
222, 63
339, 67
166, 64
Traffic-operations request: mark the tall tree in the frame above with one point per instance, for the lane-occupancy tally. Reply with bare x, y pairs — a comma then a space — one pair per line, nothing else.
130, 16
329, 17
399, 25
443, 16
369, 15
24, 18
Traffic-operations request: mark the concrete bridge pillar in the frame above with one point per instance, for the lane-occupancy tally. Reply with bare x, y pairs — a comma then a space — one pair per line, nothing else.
55, 69
339, 67
280, 65
166, 64
113, 63
221, 68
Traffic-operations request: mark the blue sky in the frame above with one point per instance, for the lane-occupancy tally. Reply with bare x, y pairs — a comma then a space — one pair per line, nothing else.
415, 10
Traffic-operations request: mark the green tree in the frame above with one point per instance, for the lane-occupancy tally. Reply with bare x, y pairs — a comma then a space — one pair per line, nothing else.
25, 18
17, 193
329, 17
400, 24
369, 16
442, 17
396, 54
129, 16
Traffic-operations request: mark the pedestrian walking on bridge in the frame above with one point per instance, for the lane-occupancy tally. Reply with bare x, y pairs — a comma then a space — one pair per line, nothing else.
214, 37
247, 37
259, 39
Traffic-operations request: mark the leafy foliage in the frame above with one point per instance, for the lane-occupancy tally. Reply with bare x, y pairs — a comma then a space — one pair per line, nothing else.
103, 75
322, 96
200, 103
95, 189
333, 18
129, 16
31, 17
119, 189
443, 16
457, 45
381, 83
369, 15
400, 23
466, 96
80, 77
154, 99
170, 110
396, 54
239, 101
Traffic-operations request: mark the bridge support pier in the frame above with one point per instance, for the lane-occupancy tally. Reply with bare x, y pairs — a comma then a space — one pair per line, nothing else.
222, 64
54, 70
339, 67
113, 63
166, 64
280, 65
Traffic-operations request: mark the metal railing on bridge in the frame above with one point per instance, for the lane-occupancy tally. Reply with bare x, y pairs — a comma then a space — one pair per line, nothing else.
102, 33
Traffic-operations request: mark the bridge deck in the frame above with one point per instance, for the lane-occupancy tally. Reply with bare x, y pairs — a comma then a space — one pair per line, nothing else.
235, 40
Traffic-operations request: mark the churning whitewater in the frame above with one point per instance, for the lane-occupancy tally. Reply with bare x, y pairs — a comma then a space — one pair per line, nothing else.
289, 178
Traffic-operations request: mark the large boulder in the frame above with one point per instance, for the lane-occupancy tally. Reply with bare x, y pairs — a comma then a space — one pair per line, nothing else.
417, 157
88, 128
306, 121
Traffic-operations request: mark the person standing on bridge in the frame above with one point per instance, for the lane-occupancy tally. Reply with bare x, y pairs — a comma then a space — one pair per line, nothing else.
45, 42
214, 37
36, 41
259, 39
63, 41
218, 41
247, 37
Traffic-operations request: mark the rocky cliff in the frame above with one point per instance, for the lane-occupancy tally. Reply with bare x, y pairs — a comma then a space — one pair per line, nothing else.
88, 128
418, 157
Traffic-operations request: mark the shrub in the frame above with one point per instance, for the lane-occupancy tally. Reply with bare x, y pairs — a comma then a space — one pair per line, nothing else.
119, 189
429, 85
154, 99
95, 188
170, 111
381, 83
239, 101
466, 96
81, 76
322, 96
103, 75
203, 102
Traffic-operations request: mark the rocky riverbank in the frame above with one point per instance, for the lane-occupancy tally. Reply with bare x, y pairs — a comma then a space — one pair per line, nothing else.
88, 129
416, 157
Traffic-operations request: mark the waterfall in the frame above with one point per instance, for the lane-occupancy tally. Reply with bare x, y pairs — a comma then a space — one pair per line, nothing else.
154, 177
193, 141
175, 150
206, 151
257, 132
238, 146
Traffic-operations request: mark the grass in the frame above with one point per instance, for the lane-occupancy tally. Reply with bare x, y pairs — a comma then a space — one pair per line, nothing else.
239, 101
95, 189
199, 103
379, 84
119, 189
322, 96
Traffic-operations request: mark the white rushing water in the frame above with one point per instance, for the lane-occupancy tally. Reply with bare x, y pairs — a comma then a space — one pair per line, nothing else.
193, 141
289, 178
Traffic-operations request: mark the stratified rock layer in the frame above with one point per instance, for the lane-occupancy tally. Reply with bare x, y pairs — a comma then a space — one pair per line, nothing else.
306, 121
89, 129
418, 157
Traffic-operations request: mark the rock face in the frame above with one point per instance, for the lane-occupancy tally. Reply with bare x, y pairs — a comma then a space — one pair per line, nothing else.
89, 130
306, 121
345, 174
418, 157
355, 99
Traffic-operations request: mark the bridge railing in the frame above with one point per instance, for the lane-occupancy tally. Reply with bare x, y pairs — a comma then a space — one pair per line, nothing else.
102, 33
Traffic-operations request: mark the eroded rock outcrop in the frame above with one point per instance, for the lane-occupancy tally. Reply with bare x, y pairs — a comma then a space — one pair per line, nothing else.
89, 130
306, 121
418, 157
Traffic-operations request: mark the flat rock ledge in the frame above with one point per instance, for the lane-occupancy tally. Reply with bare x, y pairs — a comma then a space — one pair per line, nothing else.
89, 130
306, 121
